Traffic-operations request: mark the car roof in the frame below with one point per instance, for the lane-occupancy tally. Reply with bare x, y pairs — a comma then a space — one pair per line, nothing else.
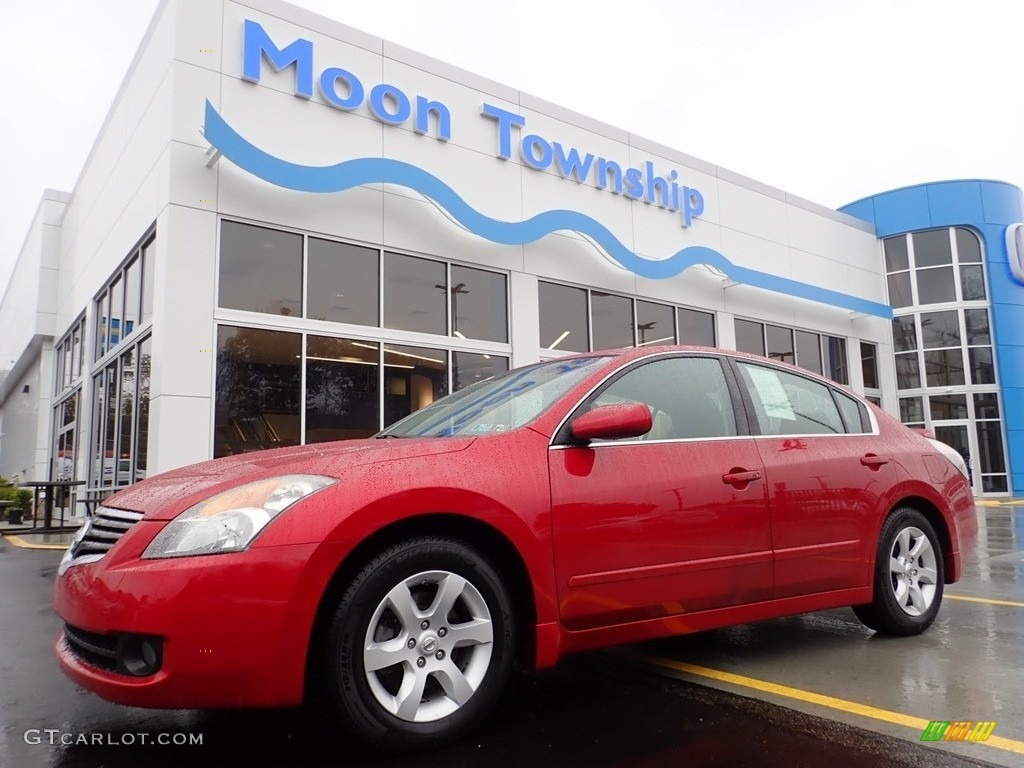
636, 353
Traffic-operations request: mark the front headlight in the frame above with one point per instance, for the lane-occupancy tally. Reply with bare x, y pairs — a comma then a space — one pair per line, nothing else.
229, 521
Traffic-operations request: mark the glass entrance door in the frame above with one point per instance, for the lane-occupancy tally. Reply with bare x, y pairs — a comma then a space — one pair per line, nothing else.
957, 435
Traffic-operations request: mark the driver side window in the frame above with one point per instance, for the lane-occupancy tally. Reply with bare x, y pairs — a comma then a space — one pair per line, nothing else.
688, 397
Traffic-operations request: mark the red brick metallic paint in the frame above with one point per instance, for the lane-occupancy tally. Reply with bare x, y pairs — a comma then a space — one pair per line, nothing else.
612, 556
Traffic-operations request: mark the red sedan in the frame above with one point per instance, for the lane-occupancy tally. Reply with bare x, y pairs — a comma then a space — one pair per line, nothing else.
593, 500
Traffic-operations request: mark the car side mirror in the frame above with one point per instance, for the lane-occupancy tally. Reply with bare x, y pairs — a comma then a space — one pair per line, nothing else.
612, 422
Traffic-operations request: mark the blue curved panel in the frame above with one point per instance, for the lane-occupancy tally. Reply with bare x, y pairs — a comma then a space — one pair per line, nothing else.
377, 170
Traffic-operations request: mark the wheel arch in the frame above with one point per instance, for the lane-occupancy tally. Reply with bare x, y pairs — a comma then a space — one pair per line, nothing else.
934, 516
491, 542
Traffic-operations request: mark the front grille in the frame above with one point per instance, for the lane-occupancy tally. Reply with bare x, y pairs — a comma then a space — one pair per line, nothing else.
94, 649
102, 531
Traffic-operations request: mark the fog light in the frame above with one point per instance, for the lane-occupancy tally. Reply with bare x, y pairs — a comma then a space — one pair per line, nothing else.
140, 656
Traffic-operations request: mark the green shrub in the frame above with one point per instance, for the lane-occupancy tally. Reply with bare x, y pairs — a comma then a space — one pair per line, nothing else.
22, 497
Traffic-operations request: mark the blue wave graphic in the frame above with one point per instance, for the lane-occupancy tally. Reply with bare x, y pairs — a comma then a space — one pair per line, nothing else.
380, 170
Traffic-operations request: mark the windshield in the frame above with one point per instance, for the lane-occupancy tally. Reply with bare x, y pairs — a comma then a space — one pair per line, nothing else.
499, 404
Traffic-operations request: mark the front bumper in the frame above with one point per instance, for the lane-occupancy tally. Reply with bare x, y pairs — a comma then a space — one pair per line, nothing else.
233, 628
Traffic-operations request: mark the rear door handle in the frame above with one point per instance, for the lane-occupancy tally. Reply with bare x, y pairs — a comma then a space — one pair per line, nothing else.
874, 461
740, 477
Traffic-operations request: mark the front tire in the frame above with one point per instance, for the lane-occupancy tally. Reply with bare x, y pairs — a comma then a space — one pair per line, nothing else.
908, 576
420, 646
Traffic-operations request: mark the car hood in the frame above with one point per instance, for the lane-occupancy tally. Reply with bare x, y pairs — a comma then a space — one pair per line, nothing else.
164, 496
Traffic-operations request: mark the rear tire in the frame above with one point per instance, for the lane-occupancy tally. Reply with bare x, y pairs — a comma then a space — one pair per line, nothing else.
420, 646
908, 576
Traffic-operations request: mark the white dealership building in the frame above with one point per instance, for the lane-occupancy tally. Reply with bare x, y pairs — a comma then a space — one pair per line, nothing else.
291, 231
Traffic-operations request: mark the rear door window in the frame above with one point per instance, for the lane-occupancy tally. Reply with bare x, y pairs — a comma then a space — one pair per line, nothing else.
788, 404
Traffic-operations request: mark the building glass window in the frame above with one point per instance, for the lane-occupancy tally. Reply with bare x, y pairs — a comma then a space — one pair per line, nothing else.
127, 368
479, 304
944, 367
986, 405
955, 352
991, 458
932, 248
78, 350
100, 326
968, 247
120, 441
414, 377
344, 283
869, 364
415, 294
260, 269
258, 392
611, 320
132, 297
935, 286
655, 324
780, 344
982, 369
148, 278
947, 407
68, 359
939, 329
750, 337
696, 327
908, 371
101, 473
836, 365
897, 258
279, 387
65, 439
912, 410
972, 282
145, 357
124, 306
341, 399
563, 318
976, 321
904, 333
808, 351
119, 444
114, 329
899, 290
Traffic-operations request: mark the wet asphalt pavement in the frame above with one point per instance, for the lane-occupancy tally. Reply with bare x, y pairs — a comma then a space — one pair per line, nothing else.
594, 710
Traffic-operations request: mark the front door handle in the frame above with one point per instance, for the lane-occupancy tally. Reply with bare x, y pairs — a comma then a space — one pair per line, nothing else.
740, 477
873, 460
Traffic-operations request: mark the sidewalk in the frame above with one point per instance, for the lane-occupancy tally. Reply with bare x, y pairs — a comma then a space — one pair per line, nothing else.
27, 537
999, 502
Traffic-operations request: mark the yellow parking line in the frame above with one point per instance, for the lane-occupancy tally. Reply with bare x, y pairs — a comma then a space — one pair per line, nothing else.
20, 542
831, 702
989, 600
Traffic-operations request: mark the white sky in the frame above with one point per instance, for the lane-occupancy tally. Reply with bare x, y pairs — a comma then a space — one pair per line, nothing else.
831, 100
